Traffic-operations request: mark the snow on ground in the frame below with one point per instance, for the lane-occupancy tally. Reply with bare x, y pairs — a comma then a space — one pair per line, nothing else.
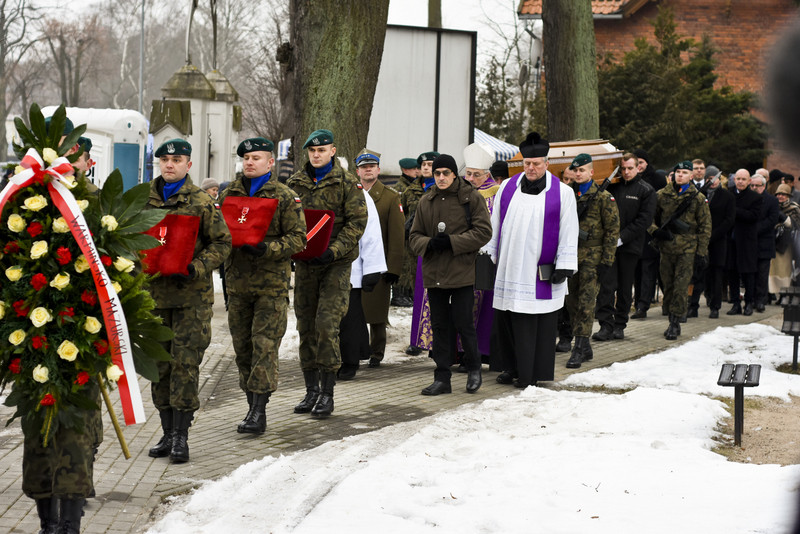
537, 461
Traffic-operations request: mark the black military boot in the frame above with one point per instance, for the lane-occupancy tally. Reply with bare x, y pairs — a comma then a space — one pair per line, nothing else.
69, 521
674, 328
324, 405
181, 421
312, 392
256, 420
564, 344
48, 514
249, 395
576, 359
164, 445
588, 353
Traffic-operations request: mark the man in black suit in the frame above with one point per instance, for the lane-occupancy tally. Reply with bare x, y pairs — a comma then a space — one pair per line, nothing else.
723, 213
742, 262
770, 215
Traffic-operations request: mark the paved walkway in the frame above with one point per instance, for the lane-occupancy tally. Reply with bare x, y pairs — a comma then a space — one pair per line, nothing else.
129, 492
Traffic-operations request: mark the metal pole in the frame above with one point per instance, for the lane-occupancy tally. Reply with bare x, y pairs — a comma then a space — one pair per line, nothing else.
738, 415
794, 355
141, 64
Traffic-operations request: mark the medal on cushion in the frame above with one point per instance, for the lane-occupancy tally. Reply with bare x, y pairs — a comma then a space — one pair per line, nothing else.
162, 235
243, 218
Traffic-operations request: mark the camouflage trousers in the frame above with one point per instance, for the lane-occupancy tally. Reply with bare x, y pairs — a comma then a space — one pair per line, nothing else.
65, 468
321, 296
583, 287
179, 379
257, 324
408, 276
676, 271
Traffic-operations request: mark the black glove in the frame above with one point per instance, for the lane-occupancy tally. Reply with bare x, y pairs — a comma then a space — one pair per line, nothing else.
663, 234
391, 278
602, 271
559, 275
323, 259
369, 281
440, 242
178, 277
256, 251
700, 262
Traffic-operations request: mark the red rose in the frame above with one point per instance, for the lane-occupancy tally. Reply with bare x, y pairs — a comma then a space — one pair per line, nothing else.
67, 312
106, 260
38, 281
38, 342
63, 255
35, 228
47, 400
101, 346
89, 297
11, 247
82, 378
21, 309
14, 366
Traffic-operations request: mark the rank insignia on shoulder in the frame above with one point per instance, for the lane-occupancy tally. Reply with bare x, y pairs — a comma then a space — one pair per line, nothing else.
297, 199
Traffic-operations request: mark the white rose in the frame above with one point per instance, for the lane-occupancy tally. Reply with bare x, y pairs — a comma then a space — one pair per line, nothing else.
38, 249
92, 325
49, 155
16, 337
69, 181
40, 316
14, 273
81, 264
68, 351
2, 309
109, 222
18, 169
41, 374
83, 204
60, 281
16, 223
34, 203
114, 373
123, 265
115, 285
60, 226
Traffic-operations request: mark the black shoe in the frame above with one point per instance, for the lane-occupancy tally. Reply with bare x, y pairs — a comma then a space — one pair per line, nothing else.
164, 445
461, 368
505, 378
619, 333
256, 420
748, 309
411, 350
347, 371
324, 406
69, 521
760, 308
639, 314
48, 514
604, 334
692, 312
674, 328
578, 351
374, 362
437, 388
474, 381
312, 392
713, 314
564, 345
181, 422
736, 309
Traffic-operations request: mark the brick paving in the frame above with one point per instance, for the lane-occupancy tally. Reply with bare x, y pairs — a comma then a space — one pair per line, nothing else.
129, 492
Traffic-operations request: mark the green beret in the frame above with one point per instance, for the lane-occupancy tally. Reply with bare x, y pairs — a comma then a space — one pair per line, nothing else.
319, 138
255, 144
580, 160
426, 156
85, 143
685, 164
174, 147
408, 163
68, 126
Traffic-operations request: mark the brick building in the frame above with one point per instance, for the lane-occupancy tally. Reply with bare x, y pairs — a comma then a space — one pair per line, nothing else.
743, 31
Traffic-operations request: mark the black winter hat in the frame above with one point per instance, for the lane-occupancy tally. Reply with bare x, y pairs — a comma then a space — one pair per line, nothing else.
775, 175
447, 161
641, 154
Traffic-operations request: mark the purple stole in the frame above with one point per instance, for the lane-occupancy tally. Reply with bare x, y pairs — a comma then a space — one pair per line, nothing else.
552, 219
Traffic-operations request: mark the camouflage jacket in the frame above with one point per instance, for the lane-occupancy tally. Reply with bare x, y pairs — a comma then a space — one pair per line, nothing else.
341, 192
599, 226
409, 199
402, 183
246, 273
212, 246
693, 230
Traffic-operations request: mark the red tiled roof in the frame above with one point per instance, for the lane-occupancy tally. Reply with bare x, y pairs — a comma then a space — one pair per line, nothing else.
533, 8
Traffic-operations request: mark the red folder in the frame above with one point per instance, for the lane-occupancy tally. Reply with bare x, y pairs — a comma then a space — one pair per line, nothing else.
319, 224
248, 218
177, 234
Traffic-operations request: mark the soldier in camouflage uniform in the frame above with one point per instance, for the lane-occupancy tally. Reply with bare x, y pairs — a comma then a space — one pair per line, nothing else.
258, 280
184, 301
682, 229
409, 169
322, 284
598, 218
409, 200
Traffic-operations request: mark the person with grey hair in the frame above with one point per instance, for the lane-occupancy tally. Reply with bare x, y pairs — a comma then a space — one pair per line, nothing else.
769, 216
742, 261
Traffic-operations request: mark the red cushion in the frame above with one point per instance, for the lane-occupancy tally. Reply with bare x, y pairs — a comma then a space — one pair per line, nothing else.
178, 234
318, 242
248, 218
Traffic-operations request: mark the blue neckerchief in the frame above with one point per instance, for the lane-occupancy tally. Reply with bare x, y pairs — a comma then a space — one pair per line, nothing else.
428, 182
320, 173
682, 189
583, 188
257, 183
170, 188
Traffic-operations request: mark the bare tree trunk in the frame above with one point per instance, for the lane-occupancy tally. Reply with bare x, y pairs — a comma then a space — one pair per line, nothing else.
434, 13
570, 70
337, 50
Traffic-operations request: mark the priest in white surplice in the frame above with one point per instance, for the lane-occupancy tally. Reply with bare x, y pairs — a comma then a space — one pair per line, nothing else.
535, 246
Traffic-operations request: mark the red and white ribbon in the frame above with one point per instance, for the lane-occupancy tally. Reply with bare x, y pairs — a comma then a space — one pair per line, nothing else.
113, 317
